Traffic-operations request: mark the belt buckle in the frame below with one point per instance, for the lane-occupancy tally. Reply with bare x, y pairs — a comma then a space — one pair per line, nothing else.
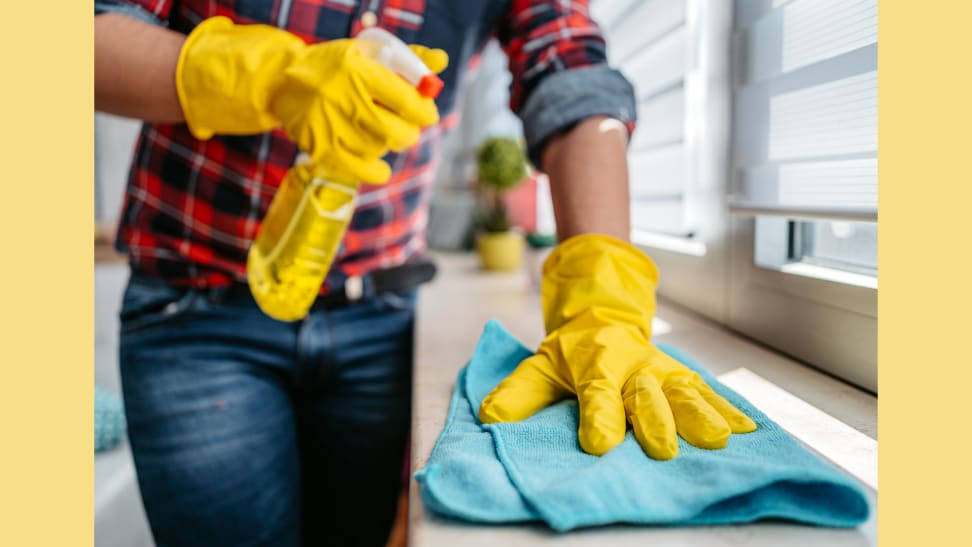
353, 288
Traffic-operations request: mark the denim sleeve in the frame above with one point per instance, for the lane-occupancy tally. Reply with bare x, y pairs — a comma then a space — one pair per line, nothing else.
563, 99
134, 11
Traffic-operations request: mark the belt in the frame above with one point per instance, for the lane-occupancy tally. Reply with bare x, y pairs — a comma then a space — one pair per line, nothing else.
395, 279
355, 287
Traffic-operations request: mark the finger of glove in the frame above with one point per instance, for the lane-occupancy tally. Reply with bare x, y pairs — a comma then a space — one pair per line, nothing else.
737, 420
526, 391
650, 415
436, 59
345, 163
364, 145
696, 420
397, 95
602, 419
396, 133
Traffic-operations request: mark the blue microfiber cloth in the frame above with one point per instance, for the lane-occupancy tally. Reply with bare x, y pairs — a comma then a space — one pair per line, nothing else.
109, 419
535, 469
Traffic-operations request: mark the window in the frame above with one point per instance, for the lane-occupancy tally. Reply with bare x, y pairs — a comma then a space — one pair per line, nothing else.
803, 186
649, 42
754, 167
848, 246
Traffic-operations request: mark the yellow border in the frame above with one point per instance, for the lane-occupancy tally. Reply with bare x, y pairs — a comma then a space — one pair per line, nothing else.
47, 277
47, 273
925, 79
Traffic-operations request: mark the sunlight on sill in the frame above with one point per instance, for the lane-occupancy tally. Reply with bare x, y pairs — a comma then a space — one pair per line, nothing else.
659, 326
836, 441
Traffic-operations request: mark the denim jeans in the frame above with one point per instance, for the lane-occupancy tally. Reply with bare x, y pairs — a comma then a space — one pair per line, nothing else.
250, 431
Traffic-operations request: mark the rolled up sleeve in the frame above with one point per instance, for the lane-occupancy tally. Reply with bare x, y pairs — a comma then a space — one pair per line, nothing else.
560, 73
566, 98
155, 12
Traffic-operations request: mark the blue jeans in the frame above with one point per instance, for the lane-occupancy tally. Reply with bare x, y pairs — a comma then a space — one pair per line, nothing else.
250, 431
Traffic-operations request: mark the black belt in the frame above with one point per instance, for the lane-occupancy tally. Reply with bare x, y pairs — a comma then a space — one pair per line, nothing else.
395, 279
355, 287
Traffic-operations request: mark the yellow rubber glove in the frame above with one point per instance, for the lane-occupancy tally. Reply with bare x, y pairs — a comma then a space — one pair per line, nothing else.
598, 302
342, 108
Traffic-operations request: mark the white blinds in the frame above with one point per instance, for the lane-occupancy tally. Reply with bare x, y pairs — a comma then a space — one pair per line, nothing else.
649, 42
805, 109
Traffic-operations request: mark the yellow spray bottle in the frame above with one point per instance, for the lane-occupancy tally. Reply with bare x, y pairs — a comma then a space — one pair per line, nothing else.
311, 210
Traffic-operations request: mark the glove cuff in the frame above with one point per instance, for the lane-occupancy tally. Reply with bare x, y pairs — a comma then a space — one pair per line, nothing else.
188, 105
598, 274
589, 246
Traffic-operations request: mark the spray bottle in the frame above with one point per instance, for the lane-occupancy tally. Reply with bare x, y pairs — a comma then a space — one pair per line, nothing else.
311, 210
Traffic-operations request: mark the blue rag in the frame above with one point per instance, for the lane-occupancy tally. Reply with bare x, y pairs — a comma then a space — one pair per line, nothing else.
535, 469
109, 419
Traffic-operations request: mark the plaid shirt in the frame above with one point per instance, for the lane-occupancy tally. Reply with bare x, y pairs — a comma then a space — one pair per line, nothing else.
193, 208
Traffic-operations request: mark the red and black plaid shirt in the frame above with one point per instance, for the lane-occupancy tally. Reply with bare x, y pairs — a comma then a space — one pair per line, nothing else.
193, 208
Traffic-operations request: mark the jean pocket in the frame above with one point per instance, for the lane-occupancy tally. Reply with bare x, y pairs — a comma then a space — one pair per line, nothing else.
149, 302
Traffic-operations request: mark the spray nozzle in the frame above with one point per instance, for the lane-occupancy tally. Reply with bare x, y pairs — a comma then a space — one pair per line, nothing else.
394, 54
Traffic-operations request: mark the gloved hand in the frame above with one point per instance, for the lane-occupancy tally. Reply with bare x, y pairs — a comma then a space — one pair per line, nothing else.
598, 302
342, 108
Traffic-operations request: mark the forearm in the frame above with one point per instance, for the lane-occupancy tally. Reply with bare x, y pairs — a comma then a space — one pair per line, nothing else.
135, 64
588, 172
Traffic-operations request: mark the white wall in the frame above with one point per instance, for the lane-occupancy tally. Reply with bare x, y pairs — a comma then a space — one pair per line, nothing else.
114, 143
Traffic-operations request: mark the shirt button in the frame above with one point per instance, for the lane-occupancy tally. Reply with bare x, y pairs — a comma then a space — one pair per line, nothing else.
368, 19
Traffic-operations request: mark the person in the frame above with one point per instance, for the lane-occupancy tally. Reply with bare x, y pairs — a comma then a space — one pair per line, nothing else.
250, 431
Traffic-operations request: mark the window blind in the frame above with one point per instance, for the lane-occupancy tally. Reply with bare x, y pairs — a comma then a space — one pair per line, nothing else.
649, 41
805, 109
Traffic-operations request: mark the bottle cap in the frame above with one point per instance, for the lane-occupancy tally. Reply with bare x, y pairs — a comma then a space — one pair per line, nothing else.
429, 86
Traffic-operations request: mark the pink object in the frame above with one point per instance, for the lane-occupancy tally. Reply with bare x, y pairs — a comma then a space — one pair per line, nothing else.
521, 203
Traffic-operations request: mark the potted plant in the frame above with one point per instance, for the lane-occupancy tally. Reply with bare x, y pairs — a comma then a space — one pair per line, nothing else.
501, 164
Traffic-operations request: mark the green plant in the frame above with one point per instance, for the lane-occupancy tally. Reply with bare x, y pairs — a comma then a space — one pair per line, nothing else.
501, 164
